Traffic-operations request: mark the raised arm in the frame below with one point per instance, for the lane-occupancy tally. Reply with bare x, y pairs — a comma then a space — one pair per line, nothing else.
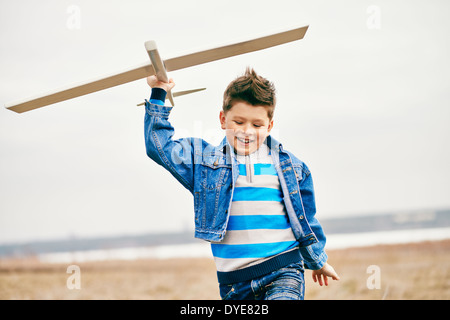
177, 156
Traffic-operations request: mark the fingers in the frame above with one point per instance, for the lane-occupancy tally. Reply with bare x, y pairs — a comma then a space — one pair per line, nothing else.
322, 275
317, 277
321, 278
325, 280
171, 84
153, 82
314, 276
333, 274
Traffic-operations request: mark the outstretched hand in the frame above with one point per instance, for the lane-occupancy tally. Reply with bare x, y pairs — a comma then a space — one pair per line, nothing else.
326, 271
153, 82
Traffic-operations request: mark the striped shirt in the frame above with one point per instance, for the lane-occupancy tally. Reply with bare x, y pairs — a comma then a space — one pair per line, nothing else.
258, 228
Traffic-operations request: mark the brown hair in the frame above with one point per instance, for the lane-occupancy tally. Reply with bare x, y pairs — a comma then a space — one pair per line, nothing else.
252, 89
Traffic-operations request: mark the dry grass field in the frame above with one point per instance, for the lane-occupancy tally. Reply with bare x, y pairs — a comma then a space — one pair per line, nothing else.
407, 271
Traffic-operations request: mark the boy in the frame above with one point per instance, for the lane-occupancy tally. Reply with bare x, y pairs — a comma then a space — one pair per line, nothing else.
253, 200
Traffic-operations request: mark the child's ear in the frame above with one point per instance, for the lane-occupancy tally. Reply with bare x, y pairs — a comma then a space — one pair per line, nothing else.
222, 119
270, 126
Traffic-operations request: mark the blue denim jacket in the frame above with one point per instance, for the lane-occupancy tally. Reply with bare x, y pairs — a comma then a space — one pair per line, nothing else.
210, 172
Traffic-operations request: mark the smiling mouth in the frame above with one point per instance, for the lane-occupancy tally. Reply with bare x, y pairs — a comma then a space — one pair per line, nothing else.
245, 140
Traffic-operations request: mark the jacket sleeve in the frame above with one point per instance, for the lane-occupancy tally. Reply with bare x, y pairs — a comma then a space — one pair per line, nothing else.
177, 156
314, 255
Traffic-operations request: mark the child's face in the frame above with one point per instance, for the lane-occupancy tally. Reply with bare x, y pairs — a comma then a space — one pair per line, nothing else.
246, 126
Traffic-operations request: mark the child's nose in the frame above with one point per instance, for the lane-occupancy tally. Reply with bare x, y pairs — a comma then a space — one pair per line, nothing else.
248, 130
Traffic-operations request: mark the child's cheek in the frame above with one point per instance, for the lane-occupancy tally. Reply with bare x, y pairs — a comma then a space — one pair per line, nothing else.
262, 135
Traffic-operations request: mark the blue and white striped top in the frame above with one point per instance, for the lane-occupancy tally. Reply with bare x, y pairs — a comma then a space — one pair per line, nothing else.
258, 227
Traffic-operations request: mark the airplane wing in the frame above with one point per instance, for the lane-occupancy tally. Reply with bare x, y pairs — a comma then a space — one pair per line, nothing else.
146, 69
178, 94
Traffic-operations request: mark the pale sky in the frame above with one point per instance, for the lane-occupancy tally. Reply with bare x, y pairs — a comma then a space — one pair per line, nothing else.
363, 100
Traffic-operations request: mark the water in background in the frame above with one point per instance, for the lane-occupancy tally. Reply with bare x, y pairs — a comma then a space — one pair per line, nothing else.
345, 232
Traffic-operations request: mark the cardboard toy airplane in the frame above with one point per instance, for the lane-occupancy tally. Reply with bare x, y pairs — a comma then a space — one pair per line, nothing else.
159, 67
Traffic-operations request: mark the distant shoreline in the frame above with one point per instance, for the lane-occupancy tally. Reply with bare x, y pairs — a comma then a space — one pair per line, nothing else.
202, 249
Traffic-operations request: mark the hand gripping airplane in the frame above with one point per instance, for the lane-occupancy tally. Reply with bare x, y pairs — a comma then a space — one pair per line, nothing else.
159, 68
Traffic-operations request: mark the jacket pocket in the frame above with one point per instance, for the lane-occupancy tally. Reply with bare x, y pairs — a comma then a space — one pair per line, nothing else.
298, 173
214, 172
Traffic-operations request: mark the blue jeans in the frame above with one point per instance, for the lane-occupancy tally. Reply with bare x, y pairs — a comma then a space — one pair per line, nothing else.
287, 283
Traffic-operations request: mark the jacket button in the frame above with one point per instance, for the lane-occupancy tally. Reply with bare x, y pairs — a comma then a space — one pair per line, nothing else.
301, 217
